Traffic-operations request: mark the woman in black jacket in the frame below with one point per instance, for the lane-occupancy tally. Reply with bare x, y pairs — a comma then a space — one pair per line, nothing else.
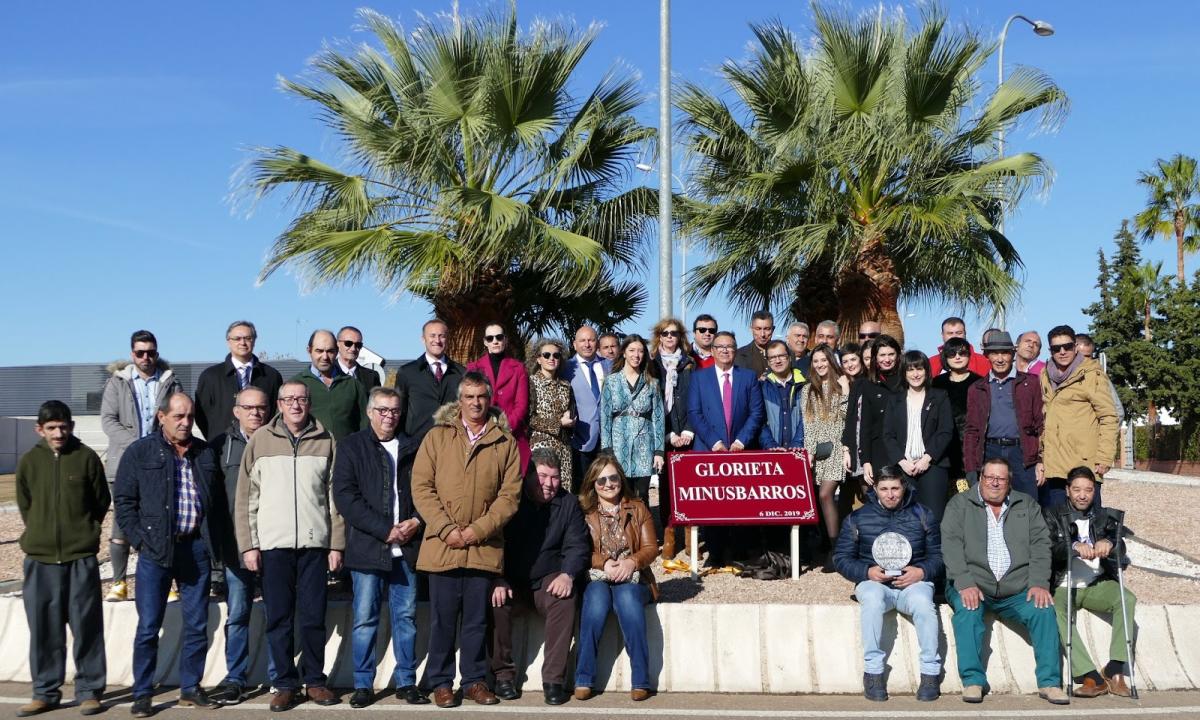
863, 437
956, 356
918, 427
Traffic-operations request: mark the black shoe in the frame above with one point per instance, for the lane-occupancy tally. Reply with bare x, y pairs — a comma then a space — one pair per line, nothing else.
928, 690
555, 693
197, 698
874, 687
218, 590
412, 695
229, 694
142, 707
507, 690
361, 698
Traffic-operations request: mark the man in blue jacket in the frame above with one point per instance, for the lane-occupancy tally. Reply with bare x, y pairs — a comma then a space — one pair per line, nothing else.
892, 508
586, 372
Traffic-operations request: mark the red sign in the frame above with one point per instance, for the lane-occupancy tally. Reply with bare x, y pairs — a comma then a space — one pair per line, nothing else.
768, 487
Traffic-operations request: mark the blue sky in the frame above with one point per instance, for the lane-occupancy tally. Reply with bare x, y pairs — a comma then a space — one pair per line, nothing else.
122, 124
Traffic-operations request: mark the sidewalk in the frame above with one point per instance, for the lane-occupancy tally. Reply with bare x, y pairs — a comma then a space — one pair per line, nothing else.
1151, 477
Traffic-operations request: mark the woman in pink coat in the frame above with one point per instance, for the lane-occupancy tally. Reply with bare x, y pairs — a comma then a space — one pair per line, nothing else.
510, 385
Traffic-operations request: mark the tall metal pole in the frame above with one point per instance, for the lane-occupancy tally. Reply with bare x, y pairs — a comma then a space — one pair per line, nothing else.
1000, 82
664, 163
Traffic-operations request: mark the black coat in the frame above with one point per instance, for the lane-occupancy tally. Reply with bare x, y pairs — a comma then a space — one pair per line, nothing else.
366, 377
676, 420
364, 493
872, 399
421, 394
227, 449
957, 392
144, 496
1103, 524
543, 540
937, 426
217, 388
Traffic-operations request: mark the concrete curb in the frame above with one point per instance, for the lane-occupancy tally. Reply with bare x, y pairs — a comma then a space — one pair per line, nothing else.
1146, 476
768, 649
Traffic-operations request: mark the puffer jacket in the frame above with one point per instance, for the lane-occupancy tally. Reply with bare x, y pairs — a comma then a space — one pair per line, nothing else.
364, 493
639, 533
1081, 420
774, 398
1103, 524
853, 555
964, 545
458, 485
284, 492
119, 416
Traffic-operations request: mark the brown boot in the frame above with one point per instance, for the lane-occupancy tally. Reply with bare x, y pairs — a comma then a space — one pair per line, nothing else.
639, 694
668, 548
35, 707
283, 700
1089, 688
322, 695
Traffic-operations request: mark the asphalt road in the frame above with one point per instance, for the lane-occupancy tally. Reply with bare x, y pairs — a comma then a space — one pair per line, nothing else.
672, 705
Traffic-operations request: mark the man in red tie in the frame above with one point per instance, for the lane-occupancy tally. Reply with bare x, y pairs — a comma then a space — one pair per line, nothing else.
429, 382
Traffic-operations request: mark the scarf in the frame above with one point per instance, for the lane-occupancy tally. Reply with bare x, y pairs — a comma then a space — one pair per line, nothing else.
1057, 377
670, 363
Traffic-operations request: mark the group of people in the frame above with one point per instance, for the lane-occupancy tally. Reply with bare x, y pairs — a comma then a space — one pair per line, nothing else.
508, 488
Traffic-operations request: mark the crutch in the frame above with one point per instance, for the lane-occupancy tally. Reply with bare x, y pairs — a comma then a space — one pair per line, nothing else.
1124, 609
1070, 607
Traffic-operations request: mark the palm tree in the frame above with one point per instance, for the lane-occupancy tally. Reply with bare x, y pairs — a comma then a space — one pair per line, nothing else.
1172, 207
1145, 288
473, 176
859, 172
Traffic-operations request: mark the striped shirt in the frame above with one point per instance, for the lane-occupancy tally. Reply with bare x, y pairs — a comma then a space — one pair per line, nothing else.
999, 559
187, 498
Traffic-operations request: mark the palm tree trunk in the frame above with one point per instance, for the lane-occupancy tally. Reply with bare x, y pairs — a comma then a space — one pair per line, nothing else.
469, 310
870, 290
1179, 227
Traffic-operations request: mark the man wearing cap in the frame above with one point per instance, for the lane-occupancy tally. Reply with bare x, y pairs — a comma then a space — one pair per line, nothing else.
1004, 418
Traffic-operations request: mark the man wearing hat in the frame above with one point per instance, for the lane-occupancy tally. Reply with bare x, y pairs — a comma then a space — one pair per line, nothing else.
1004, 418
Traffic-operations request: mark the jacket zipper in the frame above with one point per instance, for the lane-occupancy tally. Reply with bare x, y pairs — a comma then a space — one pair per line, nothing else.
57, 504
295, 495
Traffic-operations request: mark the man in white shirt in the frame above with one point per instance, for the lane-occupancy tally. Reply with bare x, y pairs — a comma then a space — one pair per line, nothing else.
429, 382
586, 372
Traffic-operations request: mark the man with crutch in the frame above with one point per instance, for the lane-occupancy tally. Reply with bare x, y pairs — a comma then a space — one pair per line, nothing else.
1088, 555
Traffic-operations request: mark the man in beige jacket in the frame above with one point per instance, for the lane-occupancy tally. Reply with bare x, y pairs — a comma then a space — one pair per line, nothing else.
289, 531
466, 484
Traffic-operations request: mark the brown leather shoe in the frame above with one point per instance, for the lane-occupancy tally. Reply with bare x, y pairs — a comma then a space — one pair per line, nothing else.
283, 700
1116, 684
444, 697
1089, 688
35, 707
322, 695
583, 693
639, 694
480, 694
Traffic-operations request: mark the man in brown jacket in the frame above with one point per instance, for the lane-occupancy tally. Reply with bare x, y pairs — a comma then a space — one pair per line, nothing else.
466, 484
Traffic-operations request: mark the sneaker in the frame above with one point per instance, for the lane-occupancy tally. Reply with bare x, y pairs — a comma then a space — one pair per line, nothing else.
229, 693
929, 689
117, 592
1054, 695
91, 706
874, 687
35, 707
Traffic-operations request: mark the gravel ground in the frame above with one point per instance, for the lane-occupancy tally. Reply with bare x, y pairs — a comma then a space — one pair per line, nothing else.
1152, 511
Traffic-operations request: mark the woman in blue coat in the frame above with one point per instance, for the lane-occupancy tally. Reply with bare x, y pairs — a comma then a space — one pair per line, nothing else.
631, 415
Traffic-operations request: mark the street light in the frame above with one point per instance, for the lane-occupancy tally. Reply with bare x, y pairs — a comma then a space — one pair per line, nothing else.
1041, 28
664, 166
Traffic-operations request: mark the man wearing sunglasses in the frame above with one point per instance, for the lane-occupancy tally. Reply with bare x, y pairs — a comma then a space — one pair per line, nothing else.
241, 369
127, 413
869, 330
704, 332
338, 400
1081, 420
350, 344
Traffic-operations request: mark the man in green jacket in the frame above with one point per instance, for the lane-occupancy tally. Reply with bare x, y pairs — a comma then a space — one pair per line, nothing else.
997, 553
63, 496
339, 401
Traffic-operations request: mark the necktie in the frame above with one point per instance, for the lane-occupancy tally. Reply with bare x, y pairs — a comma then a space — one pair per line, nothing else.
437, 371
727, 401
594, 381
243, 377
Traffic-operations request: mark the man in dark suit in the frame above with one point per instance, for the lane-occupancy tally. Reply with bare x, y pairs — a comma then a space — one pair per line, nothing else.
350, 344
725, 407
219, 384
586, 372
753, 355
429, 382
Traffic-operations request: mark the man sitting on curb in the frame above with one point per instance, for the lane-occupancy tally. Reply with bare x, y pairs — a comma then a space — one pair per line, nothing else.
892, 508
1085, 535
997, 553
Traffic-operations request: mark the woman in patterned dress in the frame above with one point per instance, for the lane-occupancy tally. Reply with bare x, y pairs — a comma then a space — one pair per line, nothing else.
551, 405
823, 401
632, 425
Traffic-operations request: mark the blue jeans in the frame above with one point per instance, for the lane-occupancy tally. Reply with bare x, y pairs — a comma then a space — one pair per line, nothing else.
1024, 479
629, 601
915, 601
401, 584
239, 584
191, 572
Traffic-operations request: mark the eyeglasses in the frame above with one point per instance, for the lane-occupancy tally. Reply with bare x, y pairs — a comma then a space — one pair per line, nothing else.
493, 338
1065, 347
723, 347
994, 479
868, 336
352, 344
241, 338
704, 330
608, 480
552, 355
778, 357
958, 353
254, 408
387, 412
294, 400
145, 353
669, 333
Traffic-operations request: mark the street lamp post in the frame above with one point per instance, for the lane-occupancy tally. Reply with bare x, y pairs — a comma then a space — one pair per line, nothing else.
1041, 28
664, 163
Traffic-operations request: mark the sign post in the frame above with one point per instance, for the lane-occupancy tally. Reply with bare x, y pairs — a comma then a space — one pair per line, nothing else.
768, 487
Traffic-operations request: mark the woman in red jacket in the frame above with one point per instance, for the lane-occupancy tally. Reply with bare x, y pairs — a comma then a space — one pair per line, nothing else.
510, 385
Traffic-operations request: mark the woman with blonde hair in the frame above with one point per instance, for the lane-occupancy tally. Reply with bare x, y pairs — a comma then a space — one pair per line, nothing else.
552, 412
823, 402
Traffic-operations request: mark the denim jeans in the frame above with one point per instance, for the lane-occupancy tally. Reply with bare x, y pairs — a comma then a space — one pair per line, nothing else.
401, 583
629, 601
191, 572
916, 601
1024, 479
239, 584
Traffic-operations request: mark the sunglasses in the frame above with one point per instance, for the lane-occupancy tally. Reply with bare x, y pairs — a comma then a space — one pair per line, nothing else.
704, 330
959, 353
352, 344
669, 333
608, 480
145, 353
554, 355
493, 338
867, 336
1065, 347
